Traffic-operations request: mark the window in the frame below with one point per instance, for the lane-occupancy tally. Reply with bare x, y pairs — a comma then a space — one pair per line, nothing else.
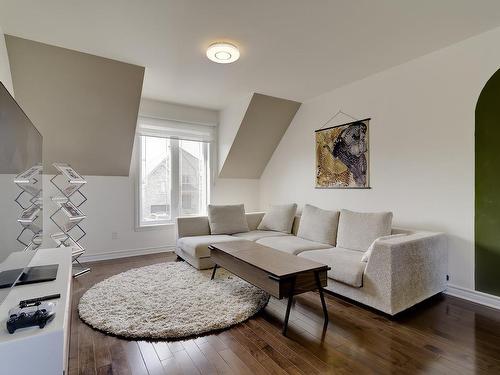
174, 173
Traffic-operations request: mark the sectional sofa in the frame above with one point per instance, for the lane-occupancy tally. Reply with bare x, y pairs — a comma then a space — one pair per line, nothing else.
390, 273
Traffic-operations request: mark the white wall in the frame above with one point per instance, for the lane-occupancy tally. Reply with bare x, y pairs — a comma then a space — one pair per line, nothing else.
421, 145
5, 76
110, 209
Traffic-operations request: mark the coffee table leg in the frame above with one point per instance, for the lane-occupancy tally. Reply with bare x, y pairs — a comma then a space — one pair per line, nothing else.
323, 304
213, 273
289, 306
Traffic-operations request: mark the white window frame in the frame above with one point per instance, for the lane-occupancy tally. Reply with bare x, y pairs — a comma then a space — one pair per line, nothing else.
209, 153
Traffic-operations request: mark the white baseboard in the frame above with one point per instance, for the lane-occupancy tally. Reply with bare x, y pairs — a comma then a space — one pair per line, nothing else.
124, 253
474, 296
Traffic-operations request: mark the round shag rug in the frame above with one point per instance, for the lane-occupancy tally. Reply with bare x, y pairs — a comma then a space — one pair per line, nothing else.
169, 300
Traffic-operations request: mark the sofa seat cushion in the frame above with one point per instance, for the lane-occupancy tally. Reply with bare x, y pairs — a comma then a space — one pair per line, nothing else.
255, 235
197, 246
292, 244
346, 264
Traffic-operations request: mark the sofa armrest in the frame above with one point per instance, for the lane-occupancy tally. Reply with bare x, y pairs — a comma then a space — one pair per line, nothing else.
409, 269
192, 226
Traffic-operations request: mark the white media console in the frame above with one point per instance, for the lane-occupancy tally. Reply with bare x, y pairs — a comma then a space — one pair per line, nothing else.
34, 350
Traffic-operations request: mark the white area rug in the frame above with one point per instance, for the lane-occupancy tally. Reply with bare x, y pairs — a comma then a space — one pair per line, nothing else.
169, 300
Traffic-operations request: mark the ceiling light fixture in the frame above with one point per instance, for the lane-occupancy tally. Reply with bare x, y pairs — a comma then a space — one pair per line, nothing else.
223, 52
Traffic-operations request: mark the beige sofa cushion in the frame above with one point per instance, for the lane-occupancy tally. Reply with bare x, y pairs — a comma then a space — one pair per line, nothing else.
279, 218
255, 235
197, 246
357, 230
346, 265
227, 219
291, 244
318, 225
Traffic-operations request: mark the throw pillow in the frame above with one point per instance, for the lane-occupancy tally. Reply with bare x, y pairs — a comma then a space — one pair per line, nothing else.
227, 219
279, 218
318, 225
357, 230
368, 253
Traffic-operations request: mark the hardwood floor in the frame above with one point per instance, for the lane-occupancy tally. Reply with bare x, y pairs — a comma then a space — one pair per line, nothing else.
444, 335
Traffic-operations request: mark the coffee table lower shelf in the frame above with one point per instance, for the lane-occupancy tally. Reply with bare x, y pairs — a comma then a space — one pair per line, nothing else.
309, 276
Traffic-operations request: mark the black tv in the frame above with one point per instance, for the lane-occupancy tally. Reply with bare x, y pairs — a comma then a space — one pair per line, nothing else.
20, 149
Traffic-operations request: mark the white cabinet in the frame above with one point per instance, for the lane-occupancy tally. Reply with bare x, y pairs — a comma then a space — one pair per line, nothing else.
34, 350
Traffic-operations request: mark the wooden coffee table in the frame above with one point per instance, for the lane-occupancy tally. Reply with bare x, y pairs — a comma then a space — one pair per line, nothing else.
278, 273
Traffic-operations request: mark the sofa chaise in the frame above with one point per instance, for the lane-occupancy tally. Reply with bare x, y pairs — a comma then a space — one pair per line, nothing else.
390, 273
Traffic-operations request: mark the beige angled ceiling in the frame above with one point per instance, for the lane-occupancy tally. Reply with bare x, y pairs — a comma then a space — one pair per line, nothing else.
265, 122
85, 106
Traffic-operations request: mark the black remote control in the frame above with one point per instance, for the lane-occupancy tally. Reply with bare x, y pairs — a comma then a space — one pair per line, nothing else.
34, 301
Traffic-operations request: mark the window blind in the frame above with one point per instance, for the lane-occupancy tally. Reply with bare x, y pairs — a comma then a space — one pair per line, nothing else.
155, 127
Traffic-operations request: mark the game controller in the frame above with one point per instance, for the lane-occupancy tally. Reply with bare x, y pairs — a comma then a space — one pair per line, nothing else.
38, 314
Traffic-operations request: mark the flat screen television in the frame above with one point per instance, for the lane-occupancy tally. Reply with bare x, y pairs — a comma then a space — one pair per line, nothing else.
20, 150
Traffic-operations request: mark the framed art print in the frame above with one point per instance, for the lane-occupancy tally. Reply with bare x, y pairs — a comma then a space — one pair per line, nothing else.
342, 156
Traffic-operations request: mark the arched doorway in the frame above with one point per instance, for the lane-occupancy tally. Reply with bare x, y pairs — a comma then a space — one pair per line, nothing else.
487, 184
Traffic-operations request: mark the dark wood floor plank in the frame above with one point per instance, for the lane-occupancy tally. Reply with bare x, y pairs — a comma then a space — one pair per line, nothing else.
272, 360
170, 366
364, 320
443, 335
119, 359
199, 359
297, 359
242, 353
240, 365
101, 348
105, 370
175, 346
215, 359
185, 363
162, 350
134, 356
86, 353
286, 344
151, 359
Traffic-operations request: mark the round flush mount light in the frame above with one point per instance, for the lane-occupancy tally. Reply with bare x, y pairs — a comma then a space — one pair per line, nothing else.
223, 52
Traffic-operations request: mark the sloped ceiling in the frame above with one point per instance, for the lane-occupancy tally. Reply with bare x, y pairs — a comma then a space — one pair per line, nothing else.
294, 49
265, 122
85, 106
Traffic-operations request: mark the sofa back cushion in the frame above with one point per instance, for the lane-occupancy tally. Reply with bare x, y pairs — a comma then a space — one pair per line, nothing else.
358, 230
227, 219
318, 225
254, 219
279, 218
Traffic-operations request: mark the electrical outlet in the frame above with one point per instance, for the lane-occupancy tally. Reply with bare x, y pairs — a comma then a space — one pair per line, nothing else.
114, 235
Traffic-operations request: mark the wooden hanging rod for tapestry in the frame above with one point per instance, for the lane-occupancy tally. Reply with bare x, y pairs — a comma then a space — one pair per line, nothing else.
336, 126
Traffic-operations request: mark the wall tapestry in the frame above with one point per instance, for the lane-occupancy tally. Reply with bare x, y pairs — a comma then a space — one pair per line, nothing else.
342, 156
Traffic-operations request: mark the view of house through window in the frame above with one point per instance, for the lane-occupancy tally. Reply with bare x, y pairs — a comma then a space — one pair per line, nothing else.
174, 179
